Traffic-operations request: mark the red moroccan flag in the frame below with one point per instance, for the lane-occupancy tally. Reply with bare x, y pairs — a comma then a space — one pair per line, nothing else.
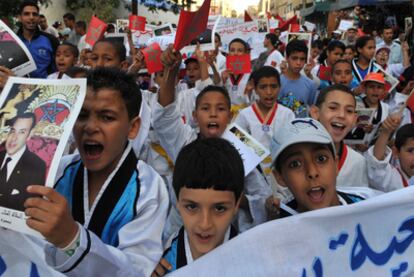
410, 102
96, 30
239, 64
281, 20
247, 17
285, 26
325, 73
360, 32
190, 25
137, 23
152, 56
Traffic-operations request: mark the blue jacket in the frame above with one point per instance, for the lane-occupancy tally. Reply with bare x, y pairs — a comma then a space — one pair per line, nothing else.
42, 47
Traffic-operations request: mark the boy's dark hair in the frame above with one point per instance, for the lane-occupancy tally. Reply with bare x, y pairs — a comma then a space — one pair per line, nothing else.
31, 3
352, 47
119, 47
212, 88
118, 80
339, 62
296, 45
76, 71
190, 60
239, 40
273, 39
73, 49
331, 46
217, 36
324, 93
362, 41
69, 16
317, 44
265, 72
25, 115
81, 24
405, 133
386, 27
211, 163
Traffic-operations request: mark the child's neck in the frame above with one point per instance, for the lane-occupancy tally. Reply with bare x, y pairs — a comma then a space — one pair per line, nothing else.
371, 104
363, 62
292, 75
264, 110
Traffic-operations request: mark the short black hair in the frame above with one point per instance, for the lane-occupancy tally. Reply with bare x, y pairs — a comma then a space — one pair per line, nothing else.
24, 115
362, 41
212, 88
31, 3
403, 134
324, 93
296, 45
118, 80
339, 62
210, 163
190, 60
69, 16
81, 24
265, 72
119, 47
73, 49
74, 71
217, 36
239, 40
273, 39
42, 16
331, 47
386, 27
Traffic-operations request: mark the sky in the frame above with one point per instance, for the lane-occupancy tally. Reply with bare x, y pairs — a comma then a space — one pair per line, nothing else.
241, 5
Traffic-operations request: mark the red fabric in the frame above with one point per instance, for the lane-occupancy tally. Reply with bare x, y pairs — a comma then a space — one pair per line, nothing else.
268, 15
294, 28
360, 32
325, 73
137, 23
239, 64
247, 17
281, 21
410, 102
152, 56
96, 30
285, 25
190, 25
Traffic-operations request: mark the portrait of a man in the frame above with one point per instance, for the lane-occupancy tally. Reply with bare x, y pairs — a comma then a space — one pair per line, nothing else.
19, 167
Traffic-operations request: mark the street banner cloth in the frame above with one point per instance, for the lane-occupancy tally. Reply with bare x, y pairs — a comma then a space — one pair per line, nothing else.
371, 238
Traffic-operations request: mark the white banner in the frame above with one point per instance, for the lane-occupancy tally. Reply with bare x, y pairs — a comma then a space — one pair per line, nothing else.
370, 238
247, 31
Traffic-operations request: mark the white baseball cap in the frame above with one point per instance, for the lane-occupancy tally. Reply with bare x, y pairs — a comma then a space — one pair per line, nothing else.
299, 130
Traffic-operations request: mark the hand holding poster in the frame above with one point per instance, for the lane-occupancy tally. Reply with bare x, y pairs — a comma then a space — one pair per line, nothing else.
96, 30
251, 151
390, 81
13, 52
152, 55
347, 240
42, 113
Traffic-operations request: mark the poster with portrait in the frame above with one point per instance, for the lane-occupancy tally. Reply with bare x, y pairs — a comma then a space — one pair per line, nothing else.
14, 53
262, 26
357, 134
121, 25
164, 29
251, 150
306, 37
36, 120
391, 81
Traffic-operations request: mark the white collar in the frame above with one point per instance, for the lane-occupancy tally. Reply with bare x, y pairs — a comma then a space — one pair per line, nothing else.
16, 156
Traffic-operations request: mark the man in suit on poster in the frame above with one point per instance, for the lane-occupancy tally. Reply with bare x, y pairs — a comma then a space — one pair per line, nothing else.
19, 167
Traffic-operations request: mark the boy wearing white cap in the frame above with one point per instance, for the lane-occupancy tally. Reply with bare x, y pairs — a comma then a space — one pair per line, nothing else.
305, 162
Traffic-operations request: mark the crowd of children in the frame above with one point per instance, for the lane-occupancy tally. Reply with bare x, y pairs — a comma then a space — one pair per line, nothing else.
149, 185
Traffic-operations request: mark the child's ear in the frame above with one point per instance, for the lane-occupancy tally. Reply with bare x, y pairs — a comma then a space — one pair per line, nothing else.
314, 112
279, 178
135, 124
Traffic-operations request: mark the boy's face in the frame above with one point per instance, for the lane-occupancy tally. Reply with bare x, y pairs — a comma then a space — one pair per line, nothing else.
193, 72
348, 54
102, 129
368, 51
342, 74
315, 52
382, 57
406, 157
267, 89
237, 49
296, 61
104, 54
374, 92
309, 170
206, 214
64, 58
337, 114
212, 114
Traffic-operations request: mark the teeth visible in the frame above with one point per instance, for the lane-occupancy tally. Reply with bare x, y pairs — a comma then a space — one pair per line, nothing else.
339, 125
213, 124
316, 189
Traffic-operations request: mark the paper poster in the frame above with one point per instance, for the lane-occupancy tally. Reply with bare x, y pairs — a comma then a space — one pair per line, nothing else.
307, 37
309, 26
137, 23
152, 56
121, 25
13, 52
163, 30
140, 38
273, 24
408, 22
357, 134
251, 151
371, 238
36, 120
247, 31
391, 81
344, 25
262, 26
206, 40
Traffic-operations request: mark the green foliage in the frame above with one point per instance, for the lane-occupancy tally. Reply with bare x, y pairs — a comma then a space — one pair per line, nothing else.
101, 8
11, 8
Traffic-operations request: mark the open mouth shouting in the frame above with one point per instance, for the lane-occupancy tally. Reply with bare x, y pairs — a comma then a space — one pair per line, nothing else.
93, 150
316, 194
